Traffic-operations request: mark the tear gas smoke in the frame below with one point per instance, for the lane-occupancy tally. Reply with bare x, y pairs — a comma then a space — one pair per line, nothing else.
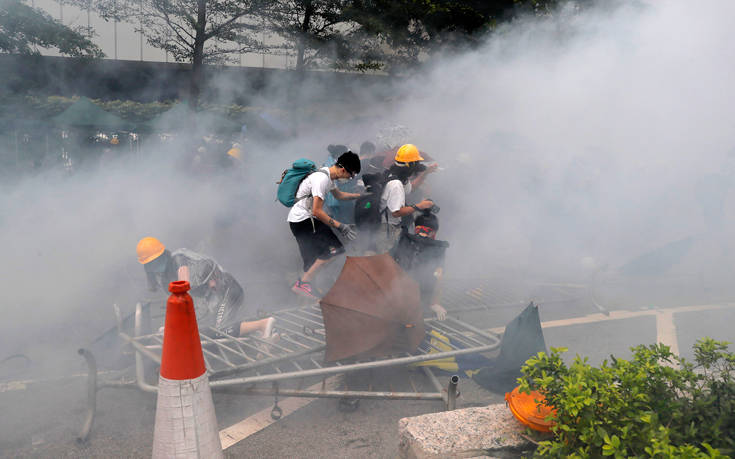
570, 143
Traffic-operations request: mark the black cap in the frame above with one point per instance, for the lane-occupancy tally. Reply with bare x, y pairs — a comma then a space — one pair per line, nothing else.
350, 161
427, 219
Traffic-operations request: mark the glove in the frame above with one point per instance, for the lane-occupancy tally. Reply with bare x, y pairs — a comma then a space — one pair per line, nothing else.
348, 232
440, 312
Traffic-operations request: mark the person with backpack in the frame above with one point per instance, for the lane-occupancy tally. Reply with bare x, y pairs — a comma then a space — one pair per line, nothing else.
310, 223
422, 257
392, 207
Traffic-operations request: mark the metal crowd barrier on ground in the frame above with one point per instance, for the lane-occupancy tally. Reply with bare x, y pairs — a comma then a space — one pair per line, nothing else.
250, 360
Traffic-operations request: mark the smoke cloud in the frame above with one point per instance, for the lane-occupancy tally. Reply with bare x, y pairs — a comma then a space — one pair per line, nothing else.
590, 143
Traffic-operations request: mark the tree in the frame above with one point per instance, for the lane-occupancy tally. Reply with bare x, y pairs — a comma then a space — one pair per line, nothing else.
406, 30
195, 31
316, 29
23, 30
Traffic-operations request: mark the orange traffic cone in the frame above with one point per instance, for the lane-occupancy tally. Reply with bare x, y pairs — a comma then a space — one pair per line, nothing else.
186, 425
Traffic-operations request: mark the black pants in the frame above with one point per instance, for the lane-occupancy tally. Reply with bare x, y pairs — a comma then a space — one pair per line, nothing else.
316, 241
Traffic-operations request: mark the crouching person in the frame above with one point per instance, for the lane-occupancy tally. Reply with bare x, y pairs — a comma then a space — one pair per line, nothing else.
218, 297
312, 226
422, 257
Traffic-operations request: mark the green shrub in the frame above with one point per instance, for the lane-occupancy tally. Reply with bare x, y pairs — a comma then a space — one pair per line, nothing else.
655, 405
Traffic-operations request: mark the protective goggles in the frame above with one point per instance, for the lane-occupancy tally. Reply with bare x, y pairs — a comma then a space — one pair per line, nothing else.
430, 232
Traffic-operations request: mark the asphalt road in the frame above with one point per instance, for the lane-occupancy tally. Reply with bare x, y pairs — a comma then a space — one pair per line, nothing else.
41, 418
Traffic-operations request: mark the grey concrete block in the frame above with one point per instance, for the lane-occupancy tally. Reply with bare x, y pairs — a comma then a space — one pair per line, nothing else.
489, 431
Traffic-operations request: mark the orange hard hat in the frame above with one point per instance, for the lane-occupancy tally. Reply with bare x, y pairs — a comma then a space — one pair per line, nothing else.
408, 153
149, 248
235, 152
530, 409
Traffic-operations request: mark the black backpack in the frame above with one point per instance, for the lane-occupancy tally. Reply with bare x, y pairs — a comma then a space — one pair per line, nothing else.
367, 207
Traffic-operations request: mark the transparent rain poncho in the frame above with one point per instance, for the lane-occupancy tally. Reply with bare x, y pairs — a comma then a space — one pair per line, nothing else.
216, 306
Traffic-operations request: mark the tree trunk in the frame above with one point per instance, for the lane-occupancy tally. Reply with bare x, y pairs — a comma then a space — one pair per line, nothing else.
197, 61
301, 45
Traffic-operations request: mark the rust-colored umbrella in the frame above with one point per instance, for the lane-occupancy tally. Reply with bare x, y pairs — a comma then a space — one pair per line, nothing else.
372, 310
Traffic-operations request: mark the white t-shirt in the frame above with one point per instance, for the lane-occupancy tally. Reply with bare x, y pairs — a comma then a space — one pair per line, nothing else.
393, 198
316, 184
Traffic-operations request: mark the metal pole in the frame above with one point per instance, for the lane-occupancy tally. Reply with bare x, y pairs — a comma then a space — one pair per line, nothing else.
452, 393
61, 11
435, 382
354, 367
338, 393
114, 31
91, 394
139, 368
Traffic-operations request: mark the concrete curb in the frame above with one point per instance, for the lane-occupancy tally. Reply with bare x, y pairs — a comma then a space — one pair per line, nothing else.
489, 431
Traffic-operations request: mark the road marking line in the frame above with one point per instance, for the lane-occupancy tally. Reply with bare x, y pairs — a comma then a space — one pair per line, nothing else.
666, 331
262, 419
22, 384
620, 315
12, 385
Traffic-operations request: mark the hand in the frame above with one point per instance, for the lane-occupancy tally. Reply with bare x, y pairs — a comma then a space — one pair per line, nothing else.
425, 204
440, 312
348, 232
432, 168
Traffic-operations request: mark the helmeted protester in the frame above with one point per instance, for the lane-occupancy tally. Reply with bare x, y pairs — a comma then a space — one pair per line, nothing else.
218, 297
406, 165
312, 226
422, 257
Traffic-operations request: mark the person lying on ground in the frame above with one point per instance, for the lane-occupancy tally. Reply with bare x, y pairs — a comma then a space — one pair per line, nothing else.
218, 297
312, 226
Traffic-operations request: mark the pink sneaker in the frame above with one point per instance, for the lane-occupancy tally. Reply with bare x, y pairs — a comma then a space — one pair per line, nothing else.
304, 289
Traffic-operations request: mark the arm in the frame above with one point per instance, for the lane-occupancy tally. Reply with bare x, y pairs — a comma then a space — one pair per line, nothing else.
437, 296
419, 180
344, 196
320, 214
183, 273
436, 306
408, 210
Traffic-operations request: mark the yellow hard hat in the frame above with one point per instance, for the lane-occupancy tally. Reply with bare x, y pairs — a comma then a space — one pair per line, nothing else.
149, 248
235, 153
408, 154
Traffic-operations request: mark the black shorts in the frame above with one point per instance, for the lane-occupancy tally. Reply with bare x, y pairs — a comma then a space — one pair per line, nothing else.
229, 310
315, 241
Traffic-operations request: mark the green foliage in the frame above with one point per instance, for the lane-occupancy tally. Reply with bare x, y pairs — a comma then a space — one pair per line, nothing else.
42, 108
317, 30
401, 32
655, 405
24, 29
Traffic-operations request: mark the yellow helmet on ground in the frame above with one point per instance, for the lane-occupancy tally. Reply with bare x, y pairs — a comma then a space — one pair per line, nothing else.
408, 153
149, 248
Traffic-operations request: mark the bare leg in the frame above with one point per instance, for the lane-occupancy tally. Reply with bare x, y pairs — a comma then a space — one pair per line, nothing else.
263, 325
318, 264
